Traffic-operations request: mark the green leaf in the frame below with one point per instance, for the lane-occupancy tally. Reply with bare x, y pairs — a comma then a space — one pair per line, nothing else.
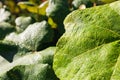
3, 61
57, 8
90, 47
42, 8
23, 22
36, 36
4, 14
34, 65
107, 1
31, 7
24, 5
34, 8
52, 23
28, 72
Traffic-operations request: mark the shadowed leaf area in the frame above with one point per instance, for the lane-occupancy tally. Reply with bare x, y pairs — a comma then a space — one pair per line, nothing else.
8, 51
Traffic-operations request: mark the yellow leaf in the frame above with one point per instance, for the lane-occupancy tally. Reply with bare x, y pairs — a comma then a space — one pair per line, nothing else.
33, 9
42, 8
52, 23
24, 5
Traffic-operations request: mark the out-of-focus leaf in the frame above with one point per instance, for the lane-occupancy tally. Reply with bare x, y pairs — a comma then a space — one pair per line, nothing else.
33, 66
1, 5
35, 36
28, 6
4, 14
102, 1
57, 10
107, 1
24, 5
89, 3
28, 72
36, 1
11, 4
23, 22
42, 8
34, 8
7, 51
52, 23
83, 6
91, 45
76, 3
3, 61
5, 29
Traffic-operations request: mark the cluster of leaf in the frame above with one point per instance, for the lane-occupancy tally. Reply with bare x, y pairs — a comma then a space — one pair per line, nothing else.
21, 57
25, 33
52, 11
30, 29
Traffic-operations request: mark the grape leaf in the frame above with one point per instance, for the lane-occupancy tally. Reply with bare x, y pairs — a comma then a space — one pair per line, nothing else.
90, 47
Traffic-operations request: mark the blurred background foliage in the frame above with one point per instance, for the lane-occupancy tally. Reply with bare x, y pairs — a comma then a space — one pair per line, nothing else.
37, 8
22, 13
25, 7
52, 11
15, 6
